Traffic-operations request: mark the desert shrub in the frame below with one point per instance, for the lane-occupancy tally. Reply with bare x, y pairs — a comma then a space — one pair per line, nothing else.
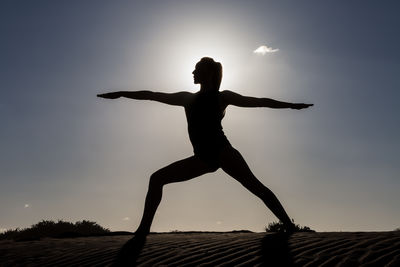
8, 234
59, 229
278, 227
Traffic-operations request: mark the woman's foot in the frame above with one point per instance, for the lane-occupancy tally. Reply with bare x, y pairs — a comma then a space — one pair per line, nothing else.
289, 228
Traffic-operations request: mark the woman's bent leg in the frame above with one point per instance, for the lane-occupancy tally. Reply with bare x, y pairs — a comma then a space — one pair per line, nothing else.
234, 164
178, 171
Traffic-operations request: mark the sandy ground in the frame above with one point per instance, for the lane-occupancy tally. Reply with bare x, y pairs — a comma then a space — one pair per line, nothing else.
213, 249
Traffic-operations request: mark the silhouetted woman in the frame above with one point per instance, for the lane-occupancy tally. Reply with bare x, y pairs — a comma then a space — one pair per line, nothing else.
212, 150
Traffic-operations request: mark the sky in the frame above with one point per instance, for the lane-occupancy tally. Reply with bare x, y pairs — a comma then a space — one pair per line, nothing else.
66, 154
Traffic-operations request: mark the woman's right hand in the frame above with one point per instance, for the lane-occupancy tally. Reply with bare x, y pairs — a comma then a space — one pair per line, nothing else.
300, 106
112, 95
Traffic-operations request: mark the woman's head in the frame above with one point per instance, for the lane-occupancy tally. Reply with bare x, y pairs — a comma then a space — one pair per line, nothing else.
208, 72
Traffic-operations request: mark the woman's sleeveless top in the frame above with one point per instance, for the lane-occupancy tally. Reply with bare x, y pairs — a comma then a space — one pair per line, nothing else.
204, 115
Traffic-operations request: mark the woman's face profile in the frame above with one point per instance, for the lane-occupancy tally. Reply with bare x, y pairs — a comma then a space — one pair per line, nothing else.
200, 73
196, 74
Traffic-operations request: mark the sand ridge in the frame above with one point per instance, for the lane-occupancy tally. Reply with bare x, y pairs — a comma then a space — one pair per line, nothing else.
214, 249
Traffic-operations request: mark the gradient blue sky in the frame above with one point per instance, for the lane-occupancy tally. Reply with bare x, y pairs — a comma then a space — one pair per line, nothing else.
66, 154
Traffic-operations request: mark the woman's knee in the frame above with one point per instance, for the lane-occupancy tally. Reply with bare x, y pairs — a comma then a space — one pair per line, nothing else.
156, 180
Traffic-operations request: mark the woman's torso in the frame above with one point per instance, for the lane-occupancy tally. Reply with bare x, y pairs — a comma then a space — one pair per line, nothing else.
204, 115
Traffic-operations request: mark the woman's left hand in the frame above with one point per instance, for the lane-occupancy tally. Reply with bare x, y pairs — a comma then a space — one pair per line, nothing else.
112, 95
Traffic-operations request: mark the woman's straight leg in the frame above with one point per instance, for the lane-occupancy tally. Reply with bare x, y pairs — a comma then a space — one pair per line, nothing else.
234, 164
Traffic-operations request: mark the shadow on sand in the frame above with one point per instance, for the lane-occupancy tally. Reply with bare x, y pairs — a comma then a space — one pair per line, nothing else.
275, 250
130, 251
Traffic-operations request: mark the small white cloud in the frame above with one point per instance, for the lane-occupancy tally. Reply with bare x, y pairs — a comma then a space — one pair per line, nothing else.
2, 230
265, 49
219, 222
27, 206
126, 219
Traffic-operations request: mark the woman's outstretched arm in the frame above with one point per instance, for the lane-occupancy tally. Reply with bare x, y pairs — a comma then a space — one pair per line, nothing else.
236, 99
176, 99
